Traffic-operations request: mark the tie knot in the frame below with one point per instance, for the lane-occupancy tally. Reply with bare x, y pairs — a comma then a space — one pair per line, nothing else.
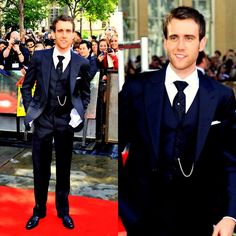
180, 85
61, 58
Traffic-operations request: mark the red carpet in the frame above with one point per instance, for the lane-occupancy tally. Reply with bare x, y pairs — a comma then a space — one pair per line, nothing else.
92, 217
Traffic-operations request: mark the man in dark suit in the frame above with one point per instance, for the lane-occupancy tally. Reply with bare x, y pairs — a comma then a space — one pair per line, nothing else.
56, 110
180, 174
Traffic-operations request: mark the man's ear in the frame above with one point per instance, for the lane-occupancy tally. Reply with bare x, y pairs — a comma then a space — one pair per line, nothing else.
53, 34
202, 44
164, 44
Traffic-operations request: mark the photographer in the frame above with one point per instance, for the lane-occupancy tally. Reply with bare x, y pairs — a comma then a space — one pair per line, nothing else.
15, 55
106, 56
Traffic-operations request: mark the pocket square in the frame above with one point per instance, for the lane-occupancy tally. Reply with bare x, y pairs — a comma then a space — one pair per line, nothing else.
215, 122
77, 78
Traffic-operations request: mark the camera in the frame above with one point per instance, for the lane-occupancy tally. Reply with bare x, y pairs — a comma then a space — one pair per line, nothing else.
16, 41
109, 50
28, 31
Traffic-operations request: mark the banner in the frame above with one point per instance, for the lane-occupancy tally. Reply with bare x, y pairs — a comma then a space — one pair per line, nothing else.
8, 91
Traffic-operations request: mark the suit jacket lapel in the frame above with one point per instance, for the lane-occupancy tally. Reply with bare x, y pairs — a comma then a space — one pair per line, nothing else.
153, 93
46, 68
207, 106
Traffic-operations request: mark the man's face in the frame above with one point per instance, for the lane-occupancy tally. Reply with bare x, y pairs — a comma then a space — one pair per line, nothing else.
183, 45
30, 46
83, 50
64, 35
15, 35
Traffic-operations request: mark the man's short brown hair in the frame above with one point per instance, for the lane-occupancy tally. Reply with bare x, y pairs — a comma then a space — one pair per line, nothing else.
183, 13
62, 18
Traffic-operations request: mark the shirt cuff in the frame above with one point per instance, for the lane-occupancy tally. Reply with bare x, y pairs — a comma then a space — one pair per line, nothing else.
75, 118
229, 217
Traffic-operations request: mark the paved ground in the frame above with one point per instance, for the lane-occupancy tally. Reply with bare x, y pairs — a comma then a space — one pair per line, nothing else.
93, 174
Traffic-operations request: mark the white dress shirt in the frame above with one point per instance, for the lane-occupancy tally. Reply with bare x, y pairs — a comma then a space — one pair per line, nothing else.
190, 91
66, 60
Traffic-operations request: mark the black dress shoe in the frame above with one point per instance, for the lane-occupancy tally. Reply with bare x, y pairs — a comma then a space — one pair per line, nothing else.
67, 221
32, 222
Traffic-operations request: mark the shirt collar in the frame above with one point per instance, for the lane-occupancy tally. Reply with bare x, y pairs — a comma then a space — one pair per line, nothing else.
171, 76
67, 54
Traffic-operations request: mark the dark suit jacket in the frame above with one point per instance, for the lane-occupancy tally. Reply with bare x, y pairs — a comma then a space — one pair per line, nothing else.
140, 111
39, 72
93, 66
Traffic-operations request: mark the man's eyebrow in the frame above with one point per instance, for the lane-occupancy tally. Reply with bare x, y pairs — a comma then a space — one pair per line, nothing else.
171, 35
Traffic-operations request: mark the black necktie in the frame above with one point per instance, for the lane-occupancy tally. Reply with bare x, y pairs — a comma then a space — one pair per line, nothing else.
179, 100
59, 67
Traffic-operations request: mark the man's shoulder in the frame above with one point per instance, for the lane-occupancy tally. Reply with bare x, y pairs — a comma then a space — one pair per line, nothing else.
150, 76
222, 88
136, 86
40, 53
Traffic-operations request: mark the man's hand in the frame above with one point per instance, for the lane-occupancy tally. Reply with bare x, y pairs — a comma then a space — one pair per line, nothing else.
224, 228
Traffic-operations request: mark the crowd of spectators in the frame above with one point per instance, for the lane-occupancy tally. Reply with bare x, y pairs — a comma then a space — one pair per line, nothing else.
219, 67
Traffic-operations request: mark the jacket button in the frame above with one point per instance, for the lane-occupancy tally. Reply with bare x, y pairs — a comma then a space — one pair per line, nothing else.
154, 170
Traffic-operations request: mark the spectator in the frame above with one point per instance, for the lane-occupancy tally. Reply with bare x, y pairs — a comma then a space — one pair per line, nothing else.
114, 42
95, 48
15, 55
49, 43
107, 57
202, 62
225, 70
130, 69
39, 46
85, 51
217, 56
30, 44
155, 63
78, 37
3, 45
230, 54
76, 47
138, 64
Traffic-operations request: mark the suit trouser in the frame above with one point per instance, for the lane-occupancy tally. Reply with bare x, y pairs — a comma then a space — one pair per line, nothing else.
42, 156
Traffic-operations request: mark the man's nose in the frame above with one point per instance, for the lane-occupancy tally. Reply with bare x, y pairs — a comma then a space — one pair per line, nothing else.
181, 43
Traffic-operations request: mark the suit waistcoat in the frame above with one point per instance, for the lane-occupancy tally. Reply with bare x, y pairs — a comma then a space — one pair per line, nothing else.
59, 91
178, 138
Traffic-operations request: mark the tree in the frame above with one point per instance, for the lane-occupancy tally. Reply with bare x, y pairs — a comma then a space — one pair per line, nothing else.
100, 10
92, 9
20, 14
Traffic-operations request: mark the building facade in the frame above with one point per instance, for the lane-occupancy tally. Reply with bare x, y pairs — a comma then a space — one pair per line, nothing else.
143, 18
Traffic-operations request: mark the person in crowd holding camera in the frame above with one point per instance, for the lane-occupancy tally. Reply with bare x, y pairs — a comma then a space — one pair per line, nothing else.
15, 55
106, 56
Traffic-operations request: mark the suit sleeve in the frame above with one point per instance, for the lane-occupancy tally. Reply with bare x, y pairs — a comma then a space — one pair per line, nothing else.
230, 154
82, 87
124, 116
29, 82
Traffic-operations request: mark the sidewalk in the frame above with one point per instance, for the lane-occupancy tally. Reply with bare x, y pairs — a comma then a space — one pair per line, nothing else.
92, 175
